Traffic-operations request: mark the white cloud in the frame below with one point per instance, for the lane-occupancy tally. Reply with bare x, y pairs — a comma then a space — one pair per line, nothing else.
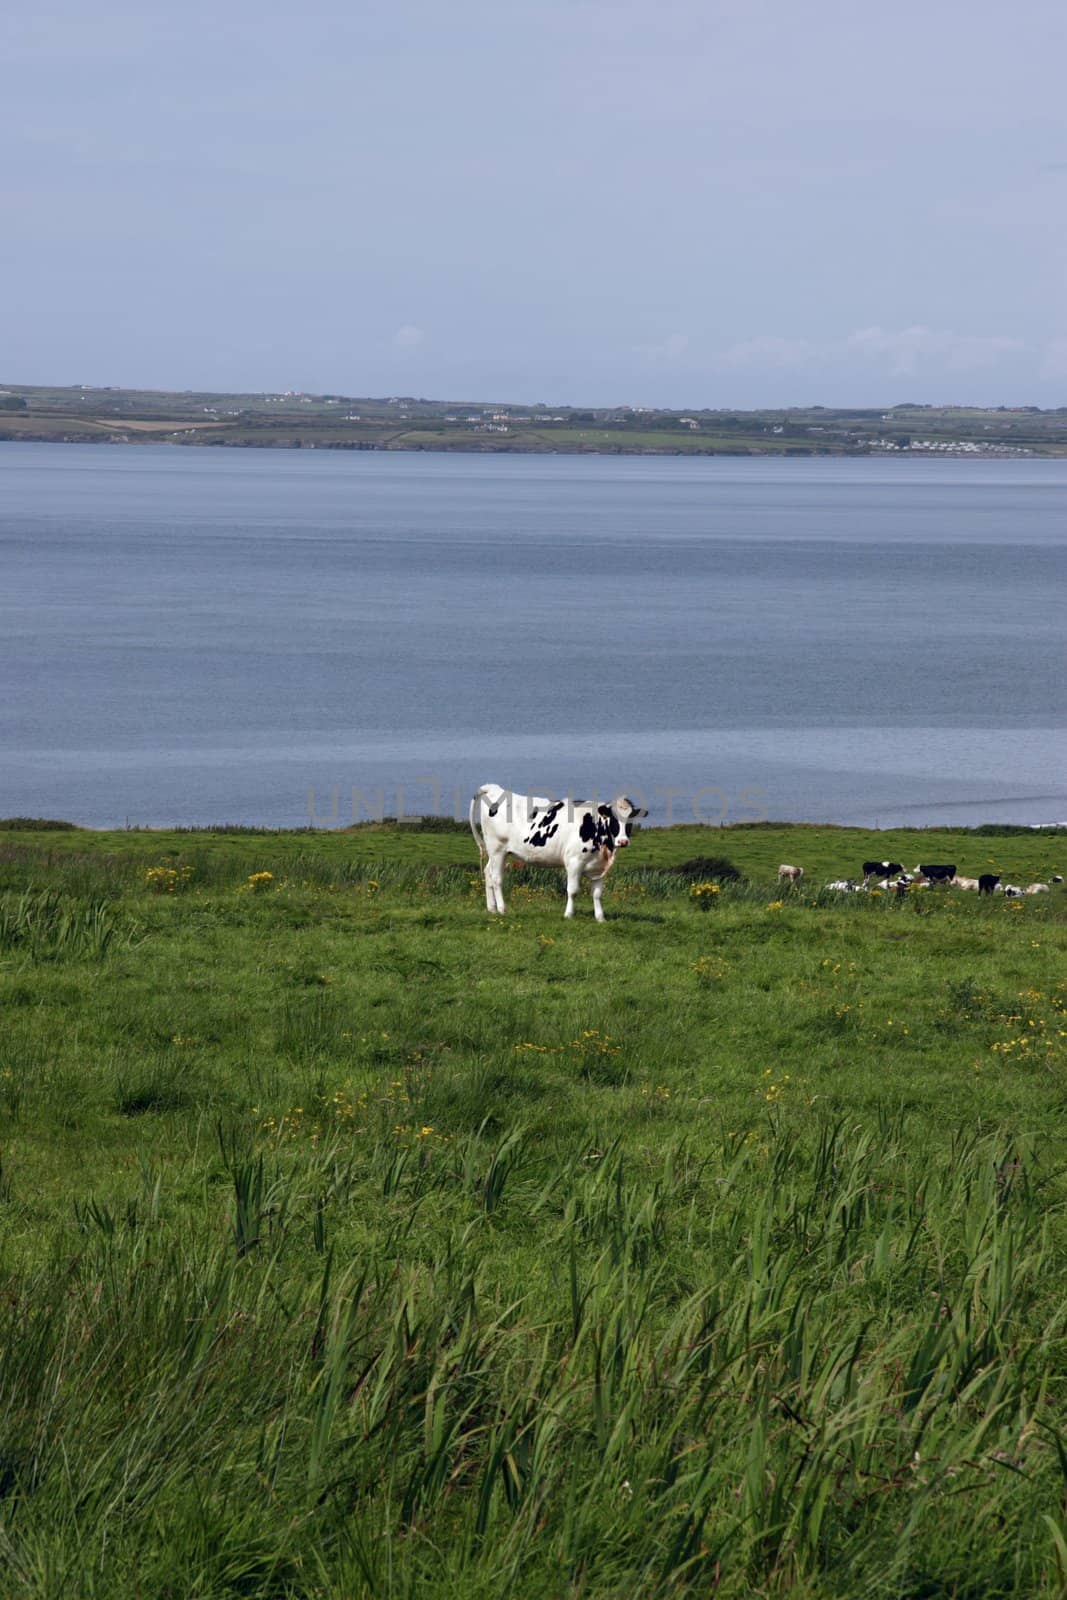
670, 349
896, 352
906, 349
767, 352
408, 337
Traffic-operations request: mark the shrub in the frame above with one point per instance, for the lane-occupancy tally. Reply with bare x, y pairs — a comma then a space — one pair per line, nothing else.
36, 825
709, 869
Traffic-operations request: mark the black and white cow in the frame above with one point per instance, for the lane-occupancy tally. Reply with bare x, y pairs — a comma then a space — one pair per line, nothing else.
581, 838
938, 874
881, 869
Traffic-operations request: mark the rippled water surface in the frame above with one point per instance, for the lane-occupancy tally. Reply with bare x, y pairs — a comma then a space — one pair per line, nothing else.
197, 636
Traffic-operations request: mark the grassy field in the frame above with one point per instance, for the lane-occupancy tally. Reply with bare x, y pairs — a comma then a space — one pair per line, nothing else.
357, 1244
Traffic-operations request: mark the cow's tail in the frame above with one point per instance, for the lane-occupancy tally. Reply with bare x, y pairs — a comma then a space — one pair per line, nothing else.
472, 814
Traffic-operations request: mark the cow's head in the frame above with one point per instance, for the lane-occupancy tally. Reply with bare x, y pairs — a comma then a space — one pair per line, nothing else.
617, 818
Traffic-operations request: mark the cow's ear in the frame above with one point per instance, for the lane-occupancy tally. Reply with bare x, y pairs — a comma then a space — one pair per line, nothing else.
604, 811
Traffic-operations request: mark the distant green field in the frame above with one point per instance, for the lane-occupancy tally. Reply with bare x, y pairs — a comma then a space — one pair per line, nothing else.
284, 421
355, 1243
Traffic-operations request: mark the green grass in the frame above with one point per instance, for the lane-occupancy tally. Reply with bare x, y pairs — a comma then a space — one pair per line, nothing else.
357, 1244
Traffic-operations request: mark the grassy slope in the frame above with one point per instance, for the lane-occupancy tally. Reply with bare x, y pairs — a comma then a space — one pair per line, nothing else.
826, 853
356, 1243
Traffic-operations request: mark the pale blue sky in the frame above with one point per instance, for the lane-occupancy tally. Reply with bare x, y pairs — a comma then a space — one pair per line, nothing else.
685, 203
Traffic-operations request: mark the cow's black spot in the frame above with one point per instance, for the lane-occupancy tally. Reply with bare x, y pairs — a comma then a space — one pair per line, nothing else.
542, 834
538, 837
601, 828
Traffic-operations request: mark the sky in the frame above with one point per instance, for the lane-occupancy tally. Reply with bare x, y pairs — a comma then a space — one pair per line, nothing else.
684, 203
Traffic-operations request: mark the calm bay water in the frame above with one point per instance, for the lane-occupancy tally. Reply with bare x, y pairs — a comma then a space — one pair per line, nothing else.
195, 636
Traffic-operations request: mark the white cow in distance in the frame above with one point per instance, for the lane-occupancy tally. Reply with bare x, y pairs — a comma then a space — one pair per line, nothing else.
582, 838
788, 874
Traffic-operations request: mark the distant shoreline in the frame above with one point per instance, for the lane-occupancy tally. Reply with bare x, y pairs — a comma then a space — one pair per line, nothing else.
82, 414
492, 449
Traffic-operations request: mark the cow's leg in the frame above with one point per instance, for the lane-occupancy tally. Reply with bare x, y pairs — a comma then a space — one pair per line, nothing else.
574, 883
597, 886
494, 882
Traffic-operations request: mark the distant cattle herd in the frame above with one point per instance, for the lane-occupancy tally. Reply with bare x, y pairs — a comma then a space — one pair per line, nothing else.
890, 875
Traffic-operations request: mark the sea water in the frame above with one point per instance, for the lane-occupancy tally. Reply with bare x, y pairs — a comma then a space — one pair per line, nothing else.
196, 636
